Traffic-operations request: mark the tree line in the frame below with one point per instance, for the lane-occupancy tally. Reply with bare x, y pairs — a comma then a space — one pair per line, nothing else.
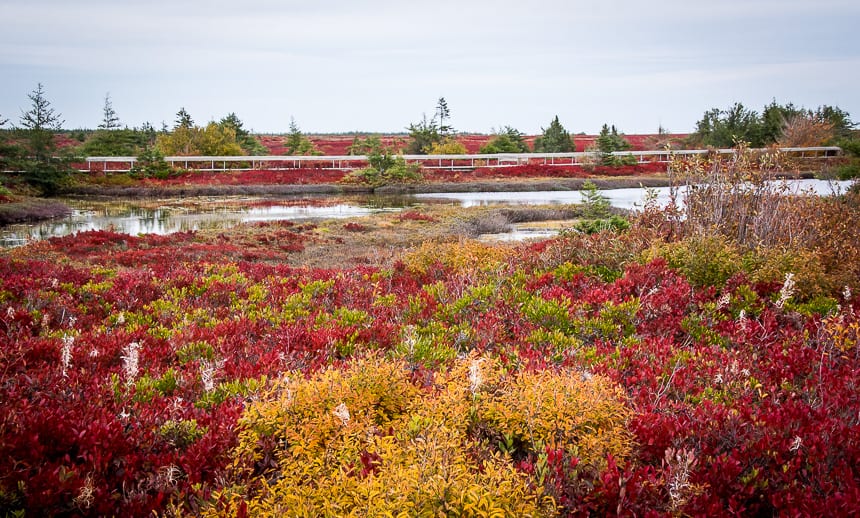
30, 146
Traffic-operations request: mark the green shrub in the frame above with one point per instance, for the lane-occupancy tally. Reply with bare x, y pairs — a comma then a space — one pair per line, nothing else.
181, 433
507, 140
593, 226
706, 260
151, 163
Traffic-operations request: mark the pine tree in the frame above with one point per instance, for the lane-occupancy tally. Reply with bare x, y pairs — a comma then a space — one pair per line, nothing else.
40, 117
41, 168
610, 141
555, 139
183, 119
110, 121
506, 140
424, 134
442, 112
297, 144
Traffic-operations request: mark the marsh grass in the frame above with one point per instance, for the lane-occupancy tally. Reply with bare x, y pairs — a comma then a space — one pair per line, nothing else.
499, 221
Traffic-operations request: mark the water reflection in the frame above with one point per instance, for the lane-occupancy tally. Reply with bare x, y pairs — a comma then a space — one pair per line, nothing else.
630, 198
180, 215
185, 214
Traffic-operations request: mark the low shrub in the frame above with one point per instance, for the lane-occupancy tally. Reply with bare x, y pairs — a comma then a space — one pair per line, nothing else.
365, 439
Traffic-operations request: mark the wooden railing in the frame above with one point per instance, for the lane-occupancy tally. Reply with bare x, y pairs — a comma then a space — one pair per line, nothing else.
237, 163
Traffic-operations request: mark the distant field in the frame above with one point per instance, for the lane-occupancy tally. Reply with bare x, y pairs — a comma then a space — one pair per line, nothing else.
339, 144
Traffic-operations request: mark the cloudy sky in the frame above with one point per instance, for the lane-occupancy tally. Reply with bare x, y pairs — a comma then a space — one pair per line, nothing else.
377, 65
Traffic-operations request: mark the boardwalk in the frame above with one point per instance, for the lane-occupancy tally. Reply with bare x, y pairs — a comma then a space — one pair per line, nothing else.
450, 162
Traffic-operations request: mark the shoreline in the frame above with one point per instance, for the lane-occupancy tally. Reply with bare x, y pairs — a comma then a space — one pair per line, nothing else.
507, 185
30, 210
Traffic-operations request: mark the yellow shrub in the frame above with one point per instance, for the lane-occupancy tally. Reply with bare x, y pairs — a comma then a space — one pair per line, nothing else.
462, 257
449, 146
364, 441
772, 264
560, 410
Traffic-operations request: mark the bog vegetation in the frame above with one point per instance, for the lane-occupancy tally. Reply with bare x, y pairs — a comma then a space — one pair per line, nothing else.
31, 148
702, 361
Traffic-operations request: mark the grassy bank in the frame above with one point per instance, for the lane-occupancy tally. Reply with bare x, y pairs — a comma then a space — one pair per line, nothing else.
21, 210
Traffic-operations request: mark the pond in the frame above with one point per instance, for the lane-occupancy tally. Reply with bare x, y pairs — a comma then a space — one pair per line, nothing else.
163, 216
630, 198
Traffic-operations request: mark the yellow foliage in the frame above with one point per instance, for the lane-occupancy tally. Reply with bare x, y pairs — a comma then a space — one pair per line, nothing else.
213, 140
449, 146
364, 441
772, 264
843, 333
561, 410
463, 256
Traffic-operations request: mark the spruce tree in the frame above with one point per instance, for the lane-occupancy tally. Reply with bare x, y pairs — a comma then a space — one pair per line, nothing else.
110, 121
183, 119
555, 139
41, 168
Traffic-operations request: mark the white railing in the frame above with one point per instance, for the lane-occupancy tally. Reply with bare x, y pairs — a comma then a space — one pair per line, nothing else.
275, 162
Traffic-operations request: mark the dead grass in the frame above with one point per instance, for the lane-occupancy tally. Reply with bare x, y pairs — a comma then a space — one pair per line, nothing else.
382, 239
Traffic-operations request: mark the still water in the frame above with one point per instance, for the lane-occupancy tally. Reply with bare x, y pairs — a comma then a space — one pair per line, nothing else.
630, 199
182, 214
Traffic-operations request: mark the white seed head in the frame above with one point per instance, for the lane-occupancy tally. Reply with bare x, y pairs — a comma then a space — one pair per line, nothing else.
786, 291
130, 360
475, 378
208, 372
796, 443
66, 352
342, 413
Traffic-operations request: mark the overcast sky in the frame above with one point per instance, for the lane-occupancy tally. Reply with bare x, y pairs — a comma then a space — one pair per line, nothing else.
344, 65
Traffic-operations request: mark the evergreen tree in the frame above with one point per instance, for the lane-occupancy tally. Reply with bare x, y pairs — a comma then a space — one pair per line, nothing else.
41, 168
424, 135
110, 120
723, 128
774, 118
555, 139
40, 117
609, 141
442, 112
841, 121
506, 140
594, 204
183, 119
233, 122
297, 143
243, 137
149, 130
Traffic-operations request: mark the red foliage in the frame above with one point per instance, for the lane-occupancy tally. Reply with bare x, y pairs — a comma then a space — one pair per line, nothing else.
354, 227
412, 215
753, 415
338, 145
252, 177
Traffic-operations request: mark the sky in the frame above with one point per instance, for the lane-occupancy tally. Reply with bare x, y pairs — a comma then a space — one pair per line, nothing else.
379, 65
